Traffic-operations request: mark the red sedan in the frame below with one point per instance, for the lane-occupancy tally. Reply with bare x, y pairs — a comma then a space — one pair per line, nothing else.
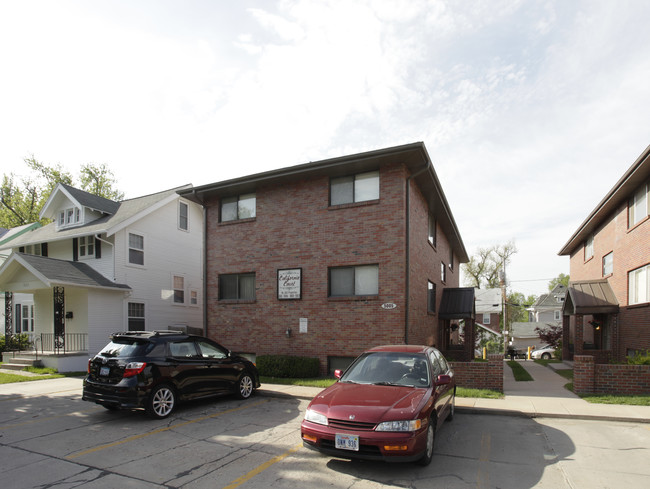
387, 406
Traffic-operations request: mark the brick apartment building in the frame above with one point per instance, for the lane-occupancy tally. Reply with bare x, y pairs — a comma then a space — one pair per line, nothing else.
312, 260
607, 307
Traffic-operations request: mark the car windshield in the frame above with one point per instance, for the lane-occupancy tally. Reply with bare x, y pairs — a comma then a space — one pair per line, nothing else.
125, 348
389, 368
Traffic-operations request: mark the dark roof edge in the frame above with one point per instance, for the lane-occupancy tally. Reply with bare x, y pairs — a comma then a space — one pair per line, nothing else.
576, 238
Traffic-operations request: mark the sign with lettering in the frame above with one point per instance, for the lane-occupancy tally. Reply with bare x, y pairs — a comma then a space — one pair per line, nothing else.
389, 305
290, 283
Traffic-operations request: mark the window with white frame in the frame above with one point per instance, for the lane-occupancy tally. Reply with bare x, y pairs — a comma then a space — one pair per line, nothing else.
589, 247
639, 285
608, 264
135, 316
639, 206
27, 318
239, 207
86, 246
354, 281
354, 188
183, 216
136, 249
486, 318
178, 287
237, 286
194, 297
558, 315
35, 249
431, 297
69, 217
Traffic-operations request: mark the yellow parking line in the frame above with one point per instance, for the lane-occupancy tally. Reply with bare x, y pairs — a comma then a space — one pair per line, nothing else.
161, 430
239, 481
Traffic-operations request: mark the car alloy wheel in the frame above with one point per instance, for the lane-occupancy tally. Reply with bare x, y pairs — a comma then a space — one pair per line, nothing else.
161, 402
428, 451
245, 386
546, 356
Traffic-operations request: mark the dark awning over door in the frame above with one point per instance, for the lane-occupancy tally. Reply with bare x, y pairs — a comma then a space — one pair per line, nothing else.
590, 297
457, 303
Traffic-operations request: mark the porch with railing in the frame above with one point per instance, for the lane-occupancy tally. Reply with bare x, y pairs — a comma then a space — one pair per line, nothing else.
48, 343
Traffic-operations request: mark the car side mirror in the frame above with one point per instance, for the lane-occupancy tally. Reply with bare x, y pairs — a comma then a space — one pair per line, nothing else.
443, 379
337, 374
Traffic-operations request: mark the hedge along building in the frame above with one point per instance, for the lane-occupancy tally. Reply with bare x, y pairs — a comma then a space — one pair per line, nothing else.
329, 258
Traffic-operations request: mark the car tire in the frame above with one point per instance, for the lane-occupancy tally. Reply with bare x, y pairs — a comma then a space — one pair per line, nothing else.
161, 402
110, 407
452, 407
245, 386
428, 451
546, 356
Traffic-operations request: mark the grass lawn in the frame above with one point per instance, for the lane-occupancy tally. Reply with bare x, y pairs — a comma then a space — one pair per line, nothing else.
479, 393
10, 378
520, 373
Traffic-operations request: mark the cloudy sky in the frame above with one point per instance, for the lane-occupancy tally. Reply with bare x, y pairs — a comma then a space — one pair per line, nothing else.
530, 110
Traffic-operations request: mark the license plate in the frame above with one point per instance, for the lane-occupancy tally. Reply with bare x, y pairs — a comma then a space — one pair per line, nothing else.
104, 371
347, 442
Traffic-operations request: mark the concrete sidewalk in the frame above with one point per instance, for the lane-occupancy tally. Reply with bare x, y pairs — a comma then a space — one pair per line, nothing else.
544, 397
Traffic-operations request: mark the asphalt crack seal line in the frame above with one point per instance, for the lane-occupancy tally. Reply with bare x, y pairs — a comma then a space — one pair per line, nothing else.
246, 477
160, 430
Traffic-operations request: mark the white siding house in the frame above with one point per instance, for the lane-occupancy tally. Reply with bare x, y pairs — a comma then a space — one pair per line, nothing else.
102, 266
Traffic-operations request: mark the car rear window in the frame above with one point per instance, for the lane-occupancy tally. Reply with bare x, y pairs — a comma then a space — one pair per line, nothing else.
126, 348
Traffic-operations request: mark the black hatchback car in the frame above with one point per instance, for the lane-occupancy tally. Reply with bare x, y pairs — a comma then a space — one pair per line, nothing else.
154, 370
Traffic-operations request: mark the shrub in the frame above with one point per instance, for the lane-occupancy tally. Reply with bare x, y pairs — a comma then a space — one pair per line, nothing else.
284, 366
558, 351
639, 358
19, 342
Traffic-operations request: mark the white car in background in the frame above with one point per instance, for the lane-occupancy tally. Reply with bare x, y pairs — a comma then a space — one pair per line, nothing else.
544, 353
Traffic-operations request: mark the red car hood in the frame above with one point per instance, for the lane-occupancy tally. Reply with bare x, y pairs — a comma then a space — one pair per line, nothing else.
371, 403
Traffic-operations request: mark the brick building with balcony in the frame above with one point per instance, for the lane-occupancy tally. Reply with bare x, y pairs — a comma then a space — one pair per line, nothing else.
329, 258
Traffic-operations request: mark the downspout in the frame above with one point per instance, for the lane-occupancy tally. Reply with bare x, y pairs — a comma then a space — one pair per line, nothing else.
408, 251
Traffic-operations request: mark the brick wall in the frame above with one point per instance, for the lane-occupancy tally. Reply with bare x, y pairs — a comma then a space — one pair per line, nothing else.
295, 227
591, 378
480, 375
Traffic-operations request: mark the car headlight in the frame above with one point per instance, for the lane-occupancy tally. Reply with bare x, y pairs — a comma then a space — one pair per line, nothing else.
412, 425
315, 417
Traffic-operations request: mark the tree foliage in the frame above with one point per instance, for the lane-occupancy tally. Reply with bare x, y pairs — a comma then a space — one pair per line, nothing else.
21, 200
517, 304
484, 267
551, 335
561, 279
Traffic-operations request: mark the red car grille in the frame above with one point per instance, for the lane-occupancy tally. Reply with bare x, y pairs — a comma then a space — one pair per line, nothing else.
351, 425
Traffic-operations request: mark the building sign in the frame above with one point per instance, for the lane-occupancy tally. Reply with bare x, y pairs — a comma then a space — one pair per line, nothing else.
290, 283
389, 305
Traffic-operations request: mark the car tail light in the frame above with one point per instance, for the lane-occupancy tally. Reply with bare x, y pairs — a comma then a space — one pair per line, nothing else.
133, 368
89, 361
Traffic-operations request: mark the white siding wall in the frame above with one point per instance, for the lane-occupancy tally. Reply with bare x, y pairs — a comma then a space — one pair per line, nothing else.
168, 251
104, 317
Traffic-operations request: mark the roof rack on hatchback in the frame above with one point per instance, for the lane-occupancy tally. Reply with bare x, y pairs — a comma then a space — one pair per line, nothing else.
148, 333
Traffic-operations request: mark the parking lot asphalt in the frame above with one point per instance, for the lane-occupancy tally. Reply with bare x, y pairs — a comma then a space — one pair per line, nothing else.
543, 397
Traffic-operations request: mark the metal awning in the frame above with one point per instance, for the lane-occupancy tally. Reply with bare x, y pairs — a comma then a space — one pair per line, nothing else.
590, 297
457, 303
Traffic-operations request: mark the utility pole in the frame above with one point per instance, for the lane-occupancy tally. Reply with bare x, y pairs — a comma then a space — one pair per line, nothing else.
502, 277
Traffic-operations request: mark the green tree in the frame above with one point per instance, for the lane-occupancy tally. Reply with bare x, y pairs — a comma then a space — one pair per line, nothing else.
561, 279
22, 201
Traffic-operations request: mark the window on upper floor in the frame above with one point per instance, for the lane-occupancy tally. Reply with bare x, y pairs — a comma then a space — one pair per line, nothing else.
608, 264
183, 216
178, 286
639, 206
431, 296
194, 297
557, 315
443, 272
86, 245
36, 249
354, 188
136, 249
239, 207
486, 318
589, 247
639, 285
352, 281
432, 229
237, 286
69, 217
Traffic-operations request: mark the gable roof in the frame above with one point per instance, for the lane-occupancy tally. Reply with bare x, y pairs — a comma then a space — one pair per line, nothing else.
52, 272
636, 175
413, 155
13, 233
590, 297
488, 300
546, 301
78, 197
128, 211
